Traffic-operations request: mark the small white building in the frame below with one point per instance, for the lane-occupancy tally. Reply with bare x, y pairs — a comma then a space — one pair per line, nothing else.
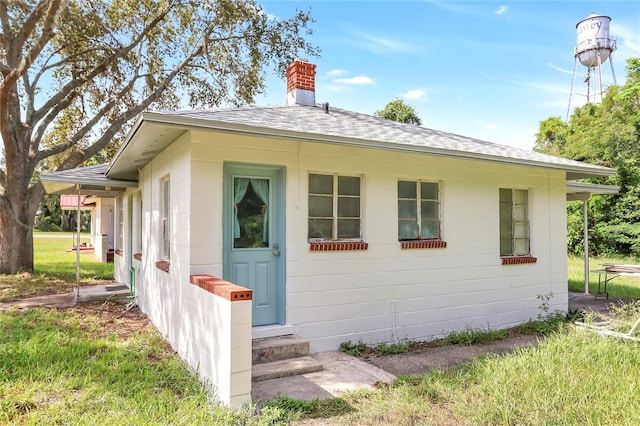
329, 224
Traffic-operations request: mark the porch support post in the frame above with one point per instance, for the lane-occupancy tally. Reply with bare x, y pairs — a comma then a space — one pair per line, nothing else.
585, 215
78, 243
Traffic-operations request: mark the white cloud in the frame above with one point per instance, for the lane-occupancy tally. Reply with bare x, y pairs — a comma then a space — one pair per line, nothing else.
631, 44
628, 41
414, 94
501, 11
557, 68
336, 73
457, 7
333, 88
357, 80
382, 45
630, 37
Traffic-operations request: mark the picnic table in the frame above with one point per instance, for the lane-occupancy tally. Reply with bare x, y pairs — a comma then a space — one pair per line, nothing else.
611, 271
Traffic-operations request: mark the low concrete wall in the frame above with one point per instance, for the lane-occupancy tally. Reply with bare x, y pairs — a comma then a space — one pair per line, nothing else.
219, 325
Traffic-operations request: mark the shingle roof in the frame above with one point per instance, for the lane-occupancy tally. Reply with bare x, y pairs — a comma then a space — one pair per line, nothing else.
340, 123
92, 179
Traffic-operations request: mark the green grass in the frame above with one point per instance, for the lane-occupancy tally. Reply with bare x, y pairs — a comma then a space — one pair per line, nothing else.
620, 287
362, 350
79, 367
54, 268
572, 377
82, 368
473, 336
99, 364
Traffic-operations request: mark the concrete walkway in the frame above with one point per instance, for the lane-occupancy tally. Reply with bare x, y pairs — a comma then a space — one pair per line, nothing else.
342, 373
62, 301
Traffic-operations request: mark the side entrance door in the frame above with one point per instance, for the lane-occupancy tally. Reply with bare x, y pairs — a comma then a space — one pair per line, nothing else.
253, 235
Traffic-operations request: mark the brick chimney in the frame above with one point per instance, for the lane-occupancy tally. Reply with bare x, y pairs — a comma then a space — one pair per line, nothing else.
301, 83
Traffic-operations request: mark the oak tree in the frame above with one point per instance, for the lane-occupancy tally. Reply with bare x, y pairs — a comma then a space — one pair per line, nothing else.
398, 110
73, 74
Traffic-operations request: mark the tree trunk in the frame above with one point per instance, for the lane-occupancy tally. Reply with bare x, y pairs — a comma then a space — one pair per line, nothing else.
18, 208
16, 244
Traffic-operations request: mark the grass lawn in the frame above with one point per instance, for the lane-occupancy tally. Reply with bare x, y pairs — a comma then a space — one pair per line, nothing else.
55, 268
103, 364
620, 287
97, 364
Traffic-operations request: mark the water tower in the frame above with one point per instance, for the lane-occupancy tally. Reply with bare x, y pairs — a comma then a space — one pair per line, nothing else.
594, 47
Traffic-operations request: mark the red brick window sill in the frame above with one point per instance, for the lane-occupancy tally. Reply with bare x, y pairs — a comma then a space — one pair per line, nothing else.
138, 256
518, 260
423, 244
119, 252
338, 245
222, 288
163, 265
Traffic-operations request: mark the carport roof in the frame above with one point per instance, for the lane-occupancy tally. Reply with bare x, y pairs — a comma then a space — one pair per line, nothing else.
91, 179
584, 191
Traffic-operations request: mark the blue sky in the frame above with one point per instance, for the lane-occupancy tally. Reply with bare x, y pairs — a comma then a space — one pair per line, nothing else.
486, 69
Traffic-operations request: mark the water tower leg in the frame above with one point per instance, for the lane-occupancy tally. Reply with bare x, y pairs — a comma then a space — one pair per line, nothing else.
600, 79
573, 79
615, 83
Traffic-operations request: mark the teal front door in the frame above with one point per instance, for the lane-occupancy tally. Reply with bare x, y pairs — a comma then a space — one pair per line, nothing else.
253, 235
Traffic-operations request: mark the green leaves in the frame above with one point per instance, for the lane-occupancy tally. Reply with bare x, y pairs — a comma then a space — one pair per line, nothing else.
109, 60
607, 134
75, 73
398, 110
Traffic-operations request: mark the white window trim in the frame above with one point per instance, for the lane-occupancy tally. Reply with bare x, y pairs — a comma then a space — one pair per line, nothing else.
418, 182
120, 223
334, 196
165, 217
513, 222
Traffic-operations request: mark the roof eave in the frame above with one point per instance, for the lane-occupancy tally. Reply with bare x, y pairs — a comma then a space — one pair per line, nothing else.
106, 187
127, 140
583, 191
189, 123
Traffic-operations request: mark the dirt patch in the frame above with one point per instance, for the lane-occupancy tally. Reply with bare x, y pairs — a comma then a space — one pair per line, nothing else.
114, 318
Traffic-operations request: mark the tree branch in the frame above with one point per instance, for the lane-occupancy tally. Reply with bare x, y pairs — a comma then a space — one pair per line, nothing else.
4, 20
117, 124
41, 155
52, 9
99, 69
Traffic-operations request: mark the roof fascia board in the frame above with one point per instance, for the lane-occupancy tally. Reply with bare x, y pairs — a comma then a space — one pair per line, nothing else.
197, 123
134, 129
593, 188
85, 181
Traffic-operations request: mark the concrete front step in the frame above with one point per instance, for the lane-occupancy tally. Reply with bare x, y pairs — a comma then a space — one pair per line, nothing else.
272, 349
285, 368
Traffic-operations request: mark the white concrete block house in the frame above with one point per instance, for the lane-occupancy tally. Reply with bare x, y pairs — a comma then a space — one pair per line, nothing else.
329, 224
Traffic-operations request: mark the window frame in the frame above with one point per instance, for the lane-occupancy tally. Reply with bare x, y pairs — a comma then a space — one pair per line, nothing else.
514, 221
138, 214
418, 199
165, 217
335, 218
119, 224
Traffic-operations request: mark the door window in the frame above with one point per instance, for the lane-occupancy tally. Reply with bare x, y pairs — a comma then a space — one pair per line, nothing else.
251, 219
